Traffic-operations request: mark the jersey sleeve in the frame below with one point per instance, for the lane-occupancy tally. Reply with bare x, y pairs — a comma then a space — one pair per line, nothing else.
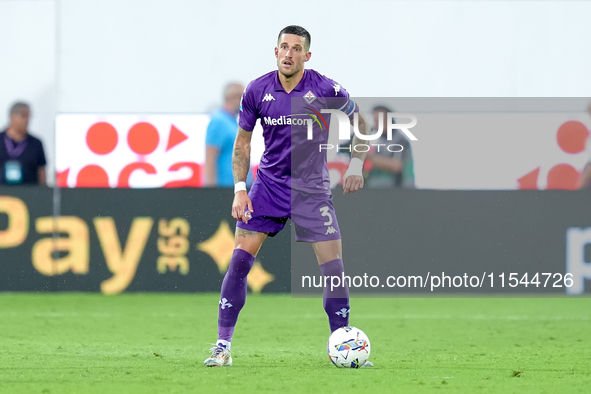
341, 100
248, 114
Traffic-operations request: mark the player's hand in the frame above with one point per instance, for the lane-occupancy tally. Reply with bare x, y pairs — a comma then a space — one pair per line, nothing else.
352, 183
353, 178
242, 207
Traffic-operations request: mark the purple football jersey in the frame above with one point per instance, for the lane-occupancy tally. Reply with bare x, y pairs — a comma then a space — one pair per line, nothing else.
289, 158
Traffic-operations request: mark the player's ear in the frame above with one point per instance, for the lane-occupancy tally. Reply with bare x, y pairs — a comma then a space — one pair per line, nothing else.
308, 56
276, 52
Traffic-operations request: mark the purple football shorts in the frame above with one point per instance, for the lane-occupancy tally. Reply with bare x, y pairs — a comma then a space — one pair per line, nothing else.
313, 215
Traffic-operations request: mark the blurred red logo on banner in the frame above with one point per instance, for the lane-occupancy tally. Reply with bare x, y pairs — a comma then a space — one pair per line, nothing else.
571, 138
114, 152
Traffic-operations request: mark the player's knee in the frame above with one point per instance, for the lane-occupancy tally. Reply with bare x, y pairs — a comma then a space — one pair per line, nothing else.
328, 250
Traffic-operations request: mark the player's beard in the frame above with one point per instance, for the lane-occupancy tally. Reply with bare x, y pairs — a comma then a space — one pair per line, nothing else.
289, 74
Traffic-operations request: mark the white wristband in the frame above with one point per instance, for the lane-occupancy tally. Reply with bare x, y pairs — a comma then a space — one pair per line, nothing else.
355, 167
239, 187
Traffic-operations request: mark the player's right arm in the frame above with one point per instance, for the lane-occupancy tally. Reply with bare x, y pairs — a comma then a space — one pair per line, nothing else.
247, 117
240, 166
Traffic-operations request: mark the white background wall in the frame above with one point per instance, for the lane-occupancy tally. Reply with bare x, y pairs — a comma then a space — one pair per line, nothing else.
27, 64
163, 56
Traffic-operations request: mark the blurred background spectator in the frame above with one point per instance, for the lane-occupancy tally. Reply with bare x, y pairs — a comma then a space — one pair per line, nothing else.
221, 133
22, 159
586, 174
386, 169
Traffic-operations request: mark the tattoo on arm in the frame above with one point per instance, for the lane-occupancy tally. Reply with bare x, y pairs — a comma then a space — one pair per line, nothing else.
241, 156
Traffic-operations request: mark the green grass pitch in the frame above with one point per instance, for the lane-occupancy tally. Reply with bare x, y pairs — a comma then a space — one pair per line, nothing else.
156, 343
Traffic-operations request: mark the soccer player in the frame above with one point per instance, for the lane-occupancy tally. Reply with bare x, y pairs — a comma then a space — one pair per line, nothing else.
292, 179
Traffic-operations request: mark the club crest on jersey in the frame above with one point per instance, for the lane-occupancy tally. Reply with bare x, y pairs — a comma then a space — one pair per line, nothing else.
309, 97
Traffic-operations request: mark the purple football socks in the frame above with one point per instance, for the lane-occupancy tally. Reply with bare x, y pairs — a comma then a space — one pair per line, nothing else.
336, 298
233, 293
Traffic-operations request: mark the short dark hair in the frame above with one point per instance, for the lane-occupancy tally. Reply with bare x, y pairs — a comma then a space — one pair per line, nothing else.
298, 31
16, 107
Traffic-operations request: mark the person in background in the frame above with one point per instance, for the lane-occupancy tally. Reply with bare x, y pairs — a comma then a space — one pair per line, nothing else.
586, 174
22, 158
219, 140
384, 168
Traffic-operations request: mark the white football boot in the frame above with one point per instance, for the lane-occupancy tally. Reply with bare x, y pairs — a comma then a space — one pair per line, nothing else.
220, 357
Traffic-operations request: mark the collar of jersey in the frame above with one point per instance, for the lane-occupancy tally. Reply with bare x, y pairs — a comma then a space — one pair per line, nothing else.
299, 87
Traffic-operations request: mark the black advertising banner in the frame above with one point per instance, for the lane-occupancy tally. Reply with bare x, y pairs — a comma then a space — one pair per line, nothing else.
394, 242
21, 209
174, 240
458, 242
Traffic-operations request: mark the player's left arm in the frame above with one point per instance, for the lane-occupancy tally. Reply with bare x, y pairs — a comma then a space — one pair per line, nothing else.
353, 178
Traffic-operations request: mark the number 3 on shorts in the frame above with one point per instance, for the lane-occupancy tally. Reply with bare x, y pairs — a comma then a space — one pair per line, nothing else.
325, 212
